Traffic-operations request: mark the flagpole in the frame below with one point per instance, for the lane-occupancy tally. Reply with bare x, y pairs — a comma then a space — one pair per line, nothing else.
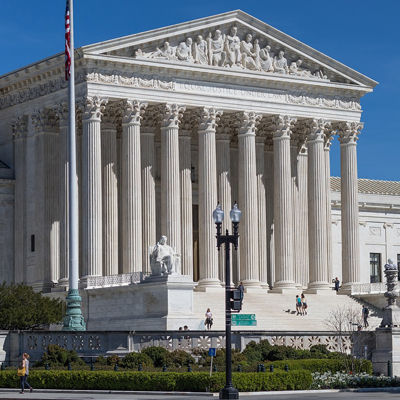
73, 320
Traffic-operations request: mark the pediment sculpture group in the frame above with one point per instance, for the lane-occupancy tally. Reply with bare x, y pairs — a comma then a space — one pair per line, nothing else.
229, 51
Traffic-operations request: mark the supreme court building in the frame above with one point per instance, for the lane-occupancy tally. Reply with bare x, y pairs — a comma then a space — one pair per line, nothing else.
171, 121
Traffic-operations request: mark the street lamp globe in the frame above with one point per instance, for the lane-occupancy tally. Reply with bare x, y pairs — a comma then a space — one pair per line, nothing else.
235, 214
218, 214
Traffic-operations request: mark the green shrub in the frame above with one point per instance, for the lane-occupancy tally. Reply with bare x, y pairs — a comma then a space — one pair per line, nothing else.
132, 360
179, 358
159, 355
257, 352
113, 359
100, 360
58, 356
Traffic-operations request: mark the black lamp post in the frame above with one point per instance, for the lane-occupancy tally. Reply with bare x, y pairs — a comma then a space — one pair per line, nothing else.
228, 392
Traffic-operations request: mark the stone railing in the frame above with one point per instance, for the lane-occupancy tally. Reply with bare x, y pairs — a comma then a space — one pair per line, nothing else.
114, 280
90, 345
369, 288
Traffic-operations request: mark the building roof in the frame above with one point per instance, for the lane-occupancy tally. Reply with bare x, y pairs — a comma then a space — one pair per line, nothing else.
369, 186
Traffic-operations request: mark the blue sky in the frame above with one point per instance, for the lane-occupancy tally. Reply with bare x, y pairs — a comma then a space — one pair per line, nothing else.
362, 34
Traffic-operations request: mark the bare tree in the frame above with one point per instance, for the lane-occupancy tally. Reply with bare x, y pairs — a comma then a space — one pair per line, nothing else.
354, 343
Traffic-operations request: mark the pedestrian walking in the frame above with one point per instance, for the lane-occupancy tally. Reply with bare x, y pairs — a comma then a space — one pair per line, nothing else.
365, 314
209, 319
298, 304
303, 304
23, 372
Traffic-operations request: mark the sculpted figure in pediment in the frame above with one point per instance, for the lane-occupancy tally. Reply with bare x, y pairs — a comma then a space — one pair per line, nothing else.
166, 52
217, 55
280, 64
200, 51
267, 59
184, 50
232, 47
295, 69
248, 56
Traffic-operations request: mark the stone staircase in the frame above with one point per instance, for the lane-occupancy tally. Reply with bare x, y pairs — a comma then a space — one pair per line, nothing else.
277, 312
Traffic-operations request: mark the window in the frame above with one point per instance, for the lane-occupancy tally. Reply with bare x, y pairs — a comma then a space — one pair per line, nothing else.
32, 243
375, 267
398, 264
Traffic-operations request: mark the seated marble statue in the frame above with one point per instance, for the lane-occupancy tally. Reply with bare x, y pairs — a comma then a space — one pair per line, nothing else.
280, 64
164, 260
390, 265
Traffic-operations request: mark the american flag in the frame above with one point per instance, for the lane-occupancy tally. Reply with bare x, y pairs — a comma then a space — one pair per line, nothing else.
67, 44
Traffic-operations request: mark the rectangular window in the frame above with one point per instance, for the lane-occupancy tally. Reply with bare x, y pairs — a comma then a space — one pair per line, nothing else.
32, 243
398, 264
375, 267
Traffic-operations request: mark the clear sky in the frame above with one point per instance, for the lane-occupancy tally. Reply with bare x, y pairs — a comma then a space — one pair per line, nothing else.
362, 34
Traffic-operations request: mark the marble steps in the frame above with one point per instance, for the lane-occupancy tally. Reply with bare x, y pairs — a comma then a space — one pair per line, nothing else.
276, 312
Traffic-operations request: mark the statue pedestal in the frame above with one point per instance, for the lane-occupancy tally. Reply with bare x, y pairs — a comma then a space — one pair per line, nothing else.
159, 303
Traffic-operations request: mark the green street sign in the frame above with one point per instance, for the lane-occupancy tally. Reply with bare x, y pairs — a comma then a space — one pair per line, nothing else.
245, 322
241, 317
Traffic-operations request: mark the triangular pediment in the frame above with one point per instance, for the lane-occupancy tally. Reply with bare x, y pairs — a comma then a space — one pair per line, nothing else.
235, 41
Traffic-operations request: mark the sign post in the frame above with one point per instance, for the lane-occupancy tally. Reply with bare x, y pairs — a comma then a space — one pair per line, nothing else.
212, 351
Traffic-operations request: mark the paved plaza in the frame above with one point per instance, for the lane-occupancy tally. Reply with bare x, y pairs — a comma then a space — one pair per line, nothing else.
365, 394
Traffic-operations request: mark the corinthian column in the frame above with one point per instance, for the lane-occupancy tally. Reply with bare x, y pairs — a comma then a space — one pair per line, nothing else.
110, 191
131, 185
92, 251
207, 198
249, 266
348, 136
185, 178
47, 198
224, 188
284, 273
170, 195
317, 206
327, 147
148, 184
20, 131
301, 216
62, 114
269, 198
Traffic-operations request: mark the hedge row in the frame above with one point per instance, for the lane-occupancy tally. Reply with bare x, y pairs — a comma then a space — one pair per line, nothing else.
159, 381
325, 365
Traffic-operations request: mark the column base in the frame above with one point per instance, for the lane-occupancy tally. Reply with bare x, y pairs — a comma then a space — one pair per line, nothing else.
206, 285
284, 287
251, 284
319, 288
345, 289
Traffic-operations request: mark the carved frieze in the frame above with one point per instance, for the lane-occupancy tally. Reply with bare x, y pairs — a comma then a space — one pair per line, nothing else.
234, 49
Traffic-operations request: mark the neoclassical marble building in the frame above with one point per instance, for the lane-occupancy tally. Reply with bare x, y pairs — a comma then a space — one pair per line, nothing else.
169, 122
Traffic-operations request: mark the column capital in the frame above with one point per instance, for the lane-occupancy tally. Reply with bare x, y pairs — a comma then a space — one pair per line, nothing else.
315, 129
110, 118
20, 127
329, 135
348, 132
208, 118
45, 120
226, 128
131, 111
282, 126
171, 115
61, 110
248, 121
150, 119
92, 107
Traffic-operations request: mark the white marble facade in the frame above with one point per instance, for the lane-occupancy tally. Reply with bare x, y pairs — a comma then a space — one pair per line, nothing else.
169, 122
